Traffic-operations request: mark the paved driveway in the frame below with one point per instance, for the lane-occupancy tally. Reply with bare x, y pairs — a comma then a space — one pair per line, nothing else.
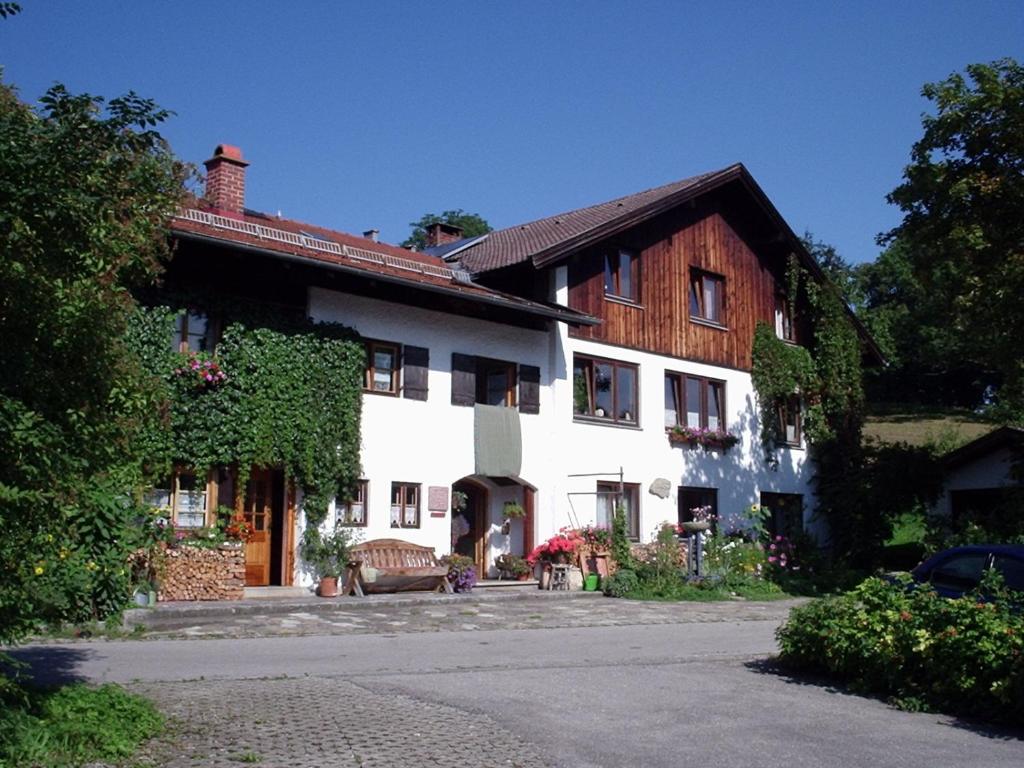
639, 685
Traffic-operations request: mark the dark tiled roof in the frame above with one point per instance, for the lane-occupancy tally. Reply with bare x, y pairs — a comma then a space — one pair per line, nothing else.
530, 241
318, 245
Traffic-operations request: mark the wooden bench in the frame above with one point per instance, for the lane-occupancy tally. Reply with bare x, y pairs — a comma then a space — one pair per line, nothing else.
397, 566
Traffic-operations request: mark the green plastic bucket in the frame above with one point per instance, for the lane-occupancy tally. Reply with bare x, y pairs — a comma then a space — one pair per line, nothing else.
590, 583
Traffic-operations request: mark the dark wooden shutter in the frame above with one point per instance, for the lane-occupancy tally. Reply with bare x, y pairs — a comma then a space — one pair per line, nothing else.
529, 389
463, 379
415, 367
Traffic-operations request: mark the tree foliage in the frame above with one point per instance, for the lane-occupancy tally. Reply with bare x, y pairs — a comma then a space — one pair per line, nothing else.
962, 231
472, 225
86, 190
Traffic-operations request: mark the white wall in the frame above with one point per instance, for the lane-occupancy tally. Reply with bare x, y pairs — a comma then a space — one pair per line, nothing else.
989, 471
431, 442
644, 453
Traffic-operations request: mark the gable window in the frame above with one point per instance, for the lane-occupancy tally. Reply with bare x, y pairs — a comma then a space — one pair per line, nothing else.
707, 297
621, 270
604, 389
381, 368
191, 332
694, 401
609, 497
790, 432
352, 512
784, 328
184, 496
698, 501
405, 505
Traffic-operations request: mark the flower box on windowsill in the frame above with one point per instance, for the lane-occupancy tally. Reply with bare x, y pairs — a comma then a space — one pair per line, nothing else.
708, 439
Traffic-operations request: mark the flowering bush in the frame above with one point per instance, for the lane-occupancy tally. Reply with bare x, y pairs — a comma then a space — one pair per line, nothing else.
204, 372
238, 529
461, 572
596, 536
961, 656
561, 546
702, 436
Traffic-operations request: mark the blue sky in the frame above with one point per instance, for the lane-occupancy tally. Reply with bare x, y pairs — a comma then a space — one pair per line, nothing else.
361, 115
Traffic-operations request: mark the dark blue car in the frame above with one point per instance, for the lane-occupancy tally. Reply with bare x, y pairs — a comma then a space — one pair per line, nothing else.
955, 571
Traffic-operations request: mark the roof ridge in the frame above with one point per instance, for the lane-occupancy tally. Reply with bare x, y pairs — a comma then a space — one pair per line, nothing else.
678, 182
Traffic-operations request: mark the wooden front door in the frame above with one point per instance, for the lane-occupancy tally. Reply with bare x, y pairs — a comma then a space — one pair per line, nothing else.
473, 544
258, 509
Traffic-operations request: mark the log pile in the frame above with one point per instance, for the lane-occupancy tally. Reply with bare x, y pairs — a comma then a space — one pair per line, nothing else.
197, 573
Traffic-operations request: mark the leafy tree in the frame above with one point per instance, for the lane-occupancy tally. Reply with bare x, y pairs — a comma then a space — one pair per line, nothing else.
838, 269
86, 191
962, 230
472, 225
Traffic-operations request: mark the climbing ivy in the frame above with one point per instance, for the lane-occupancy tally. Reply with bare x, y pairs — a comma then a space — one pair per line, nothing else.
281, 393
827, 376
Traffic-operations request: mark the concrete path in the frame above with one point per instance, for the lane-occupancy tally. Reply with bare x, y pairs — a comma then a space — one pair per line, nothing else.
616, 684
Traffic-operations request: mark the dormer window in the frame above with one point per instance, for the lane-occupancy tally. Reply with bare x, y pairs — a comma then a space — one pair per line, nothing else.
621, 277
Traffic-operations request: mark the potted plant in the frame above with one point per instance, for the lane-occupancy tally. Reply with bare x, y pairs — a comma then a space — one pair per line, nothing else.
513, 510
327, 555
461, 572
513, 567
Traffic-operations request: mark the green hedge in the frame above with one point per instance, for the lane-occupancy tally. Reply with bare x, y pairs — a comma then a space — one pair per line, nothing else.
923, 651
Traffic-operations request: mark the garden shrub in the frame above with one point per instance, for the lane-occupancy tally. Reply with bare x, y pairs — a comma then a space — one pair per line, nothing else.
622, 583
960, 656
73, 725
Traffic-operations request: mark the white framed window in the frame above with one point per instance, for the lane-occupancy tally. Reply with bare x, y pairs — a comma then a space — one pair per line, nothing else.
184, 495
405, 505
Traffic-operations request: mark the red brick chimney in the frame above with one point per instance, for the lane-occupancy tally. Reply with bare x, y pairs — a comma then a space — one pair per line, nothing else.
225, 181
440, 233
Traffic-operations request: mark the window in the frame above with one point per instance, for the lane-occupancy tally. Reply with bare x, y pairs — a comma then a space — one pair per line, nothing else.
694, 401
784, 328
353, 511
1012, 571
608, 498
604, 389
183, 495
381, 368
960, 572
405, 505
789, 421
786, 513
191, 333
707, 297
621, 270
495, 382
693, 499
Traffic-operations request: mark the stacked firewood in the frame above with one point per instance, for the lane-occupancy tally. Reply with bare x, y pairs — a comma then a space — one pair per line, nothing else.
197, 573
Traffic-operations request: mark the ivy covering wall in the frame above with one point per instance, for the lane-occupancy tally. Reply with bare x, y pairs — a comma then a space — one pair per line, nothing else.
278, 393
827, 376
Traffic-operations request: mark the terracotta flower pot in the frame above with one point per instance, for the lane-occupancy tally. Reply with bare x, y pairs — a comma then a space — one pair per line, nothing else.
328, 586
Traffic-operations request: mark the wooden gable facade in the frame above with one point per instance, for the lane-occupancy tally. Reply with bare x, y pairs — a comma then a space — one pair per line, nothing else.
715, 236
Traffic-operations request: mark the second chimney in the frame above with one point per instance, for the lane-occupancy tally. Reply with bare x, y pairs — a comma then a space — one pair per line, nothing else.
225, 180
440, 233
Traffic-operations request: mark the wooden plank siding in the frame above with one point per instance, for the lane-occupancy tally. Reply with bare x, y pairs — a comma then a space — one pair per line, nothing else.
698, 237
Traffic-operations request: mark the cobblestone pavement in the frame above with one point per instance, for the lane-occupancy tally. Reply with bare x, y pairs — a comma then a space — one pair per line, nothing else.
321, 722
468, 613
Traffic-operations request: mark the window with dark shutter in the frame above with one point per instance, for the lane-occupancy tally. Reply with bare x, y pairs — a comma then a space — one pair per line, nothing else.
529, 389
463, 379
415, 368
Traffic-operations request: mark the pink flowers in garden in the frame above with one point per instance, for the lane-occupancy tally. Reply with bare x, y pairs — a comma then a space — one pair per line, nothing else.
780, 553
